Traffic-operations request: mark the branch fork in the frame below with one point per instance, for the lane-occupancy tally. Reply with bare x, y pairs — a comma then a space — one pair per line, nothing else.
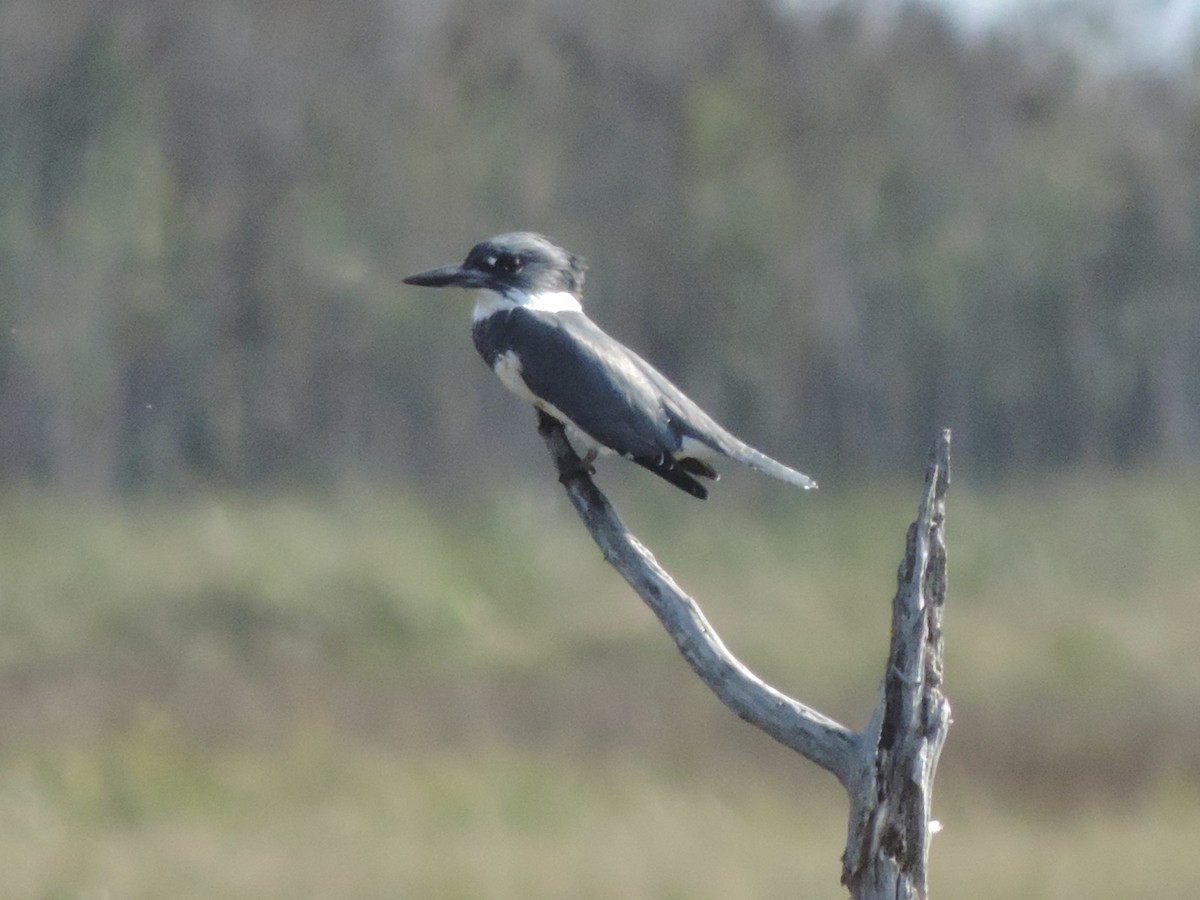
888, 768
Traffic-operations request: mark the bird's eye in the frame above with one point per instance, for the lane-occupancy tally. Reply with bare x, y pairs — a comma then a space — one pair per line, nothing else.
507, 264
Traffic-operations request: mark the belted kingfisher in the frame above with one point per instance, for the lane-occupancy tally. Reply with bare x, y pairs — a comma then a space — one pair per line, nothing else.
530, 328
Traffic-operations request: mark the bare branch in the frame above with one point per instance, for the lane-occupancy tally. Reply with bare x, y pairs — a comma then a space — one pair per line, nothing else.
825, 742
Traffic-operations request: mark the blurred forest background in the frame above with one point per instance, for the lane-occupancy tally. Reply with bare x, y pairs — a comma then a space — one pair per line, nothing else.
847, 228
291, 605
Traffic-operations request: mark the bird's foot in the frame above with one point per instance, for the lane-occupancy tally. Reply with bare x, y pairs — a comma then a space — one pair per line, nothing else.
583, 467
546, 423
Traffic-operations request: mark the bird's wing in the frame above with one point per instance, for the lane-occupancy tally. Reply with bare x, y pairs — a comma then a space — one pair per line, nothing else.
591, 379
619, 399
690, 421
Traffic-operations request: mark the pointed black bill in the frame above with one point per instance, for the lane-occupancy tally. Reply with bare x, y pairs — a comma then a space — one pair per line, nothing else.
446, 276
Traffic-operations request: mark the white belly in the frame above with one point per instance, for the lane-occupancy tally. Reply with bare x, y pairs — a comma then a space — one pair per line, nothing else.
508, 370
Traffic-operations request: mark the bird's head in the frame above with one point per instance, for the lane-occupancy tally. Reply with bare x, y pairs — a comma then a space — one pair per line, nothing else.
517, 265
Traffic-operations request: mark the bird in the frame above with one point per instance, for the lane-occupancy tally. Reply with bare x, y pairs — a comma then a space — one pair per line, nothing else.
530, 328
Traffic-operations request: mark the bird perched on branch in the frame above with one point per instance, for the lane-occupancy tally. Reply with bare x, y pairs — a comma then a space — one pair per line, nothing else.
530, 328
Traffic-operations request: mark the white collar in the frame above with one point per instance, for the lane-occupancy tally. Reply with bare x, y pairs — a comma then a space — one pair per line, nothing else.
490, 302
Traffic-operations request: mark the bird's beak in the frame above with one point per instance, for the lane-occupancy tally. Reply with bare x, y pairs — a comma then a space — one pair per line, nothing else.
447, 276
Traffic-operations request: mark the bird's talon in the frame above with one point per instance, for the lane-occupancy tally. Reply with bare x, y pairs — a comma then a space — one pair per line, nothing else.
583, 467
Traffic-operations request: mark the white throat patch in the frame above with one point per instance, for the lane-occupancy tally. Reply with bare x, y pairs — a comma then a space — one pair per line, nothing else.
490, 302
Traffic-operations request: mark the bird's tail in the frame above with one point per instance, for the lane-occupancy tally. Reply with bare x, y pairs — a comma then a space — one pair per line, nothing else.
759, 461
716, 438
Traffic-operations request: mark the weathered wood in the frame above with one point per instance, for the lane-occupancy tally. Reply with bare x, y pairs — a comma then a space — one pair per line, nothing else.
888, 768
887, 849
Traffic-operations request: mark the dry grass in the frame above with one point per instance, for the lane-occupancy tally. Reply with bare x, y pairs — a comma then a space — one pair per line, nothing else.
355, 697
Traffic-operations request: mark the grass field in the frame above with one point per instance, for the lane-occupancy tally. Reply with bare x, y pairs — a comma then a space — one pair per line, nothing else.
383, 693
